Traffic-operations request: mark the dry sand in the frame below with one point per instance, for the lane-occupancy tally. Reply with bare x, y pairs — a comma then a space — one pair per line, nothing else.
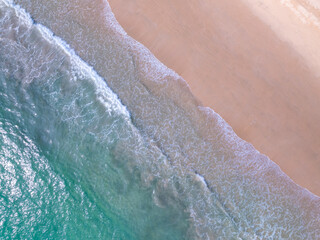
257, 66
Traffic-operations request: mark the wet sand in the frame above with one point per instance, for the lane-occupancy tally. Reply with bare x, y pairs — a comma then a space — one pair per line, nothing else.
259, 74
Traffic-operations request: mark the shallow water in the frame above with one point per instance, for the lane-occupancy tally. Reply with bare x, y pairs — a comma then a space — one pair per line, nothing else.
128, 154
65, 143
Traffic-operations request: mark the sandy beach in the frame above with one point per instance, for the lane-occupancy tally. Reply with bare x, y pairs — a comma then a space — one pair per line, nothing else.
98, 138
255, 64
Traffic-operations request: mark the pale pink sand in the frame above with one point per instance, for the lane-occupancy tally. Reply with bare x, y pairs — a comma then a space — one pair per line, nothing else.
248, 65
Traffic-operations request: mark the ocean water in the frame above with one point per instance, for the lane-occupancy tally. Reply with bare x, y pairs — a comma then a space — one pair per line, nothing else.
99, 140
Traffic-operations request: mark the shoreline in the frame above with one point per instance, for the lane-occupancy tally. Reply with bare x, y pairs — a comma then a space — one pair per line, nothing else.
232, 60
246, 188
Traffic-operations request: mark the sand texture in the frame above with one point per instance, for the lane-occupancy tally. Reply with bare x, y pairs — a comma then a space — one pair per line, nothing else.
259, 73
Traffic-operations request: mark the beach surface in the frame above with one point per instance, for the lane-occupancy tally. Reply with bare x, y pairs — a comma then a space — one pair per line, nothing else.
99, 139
255, 64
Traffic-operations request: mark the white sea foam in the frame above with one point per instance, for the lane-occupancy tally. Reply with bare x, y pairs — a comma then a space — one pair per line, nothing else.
249, 196
302, 13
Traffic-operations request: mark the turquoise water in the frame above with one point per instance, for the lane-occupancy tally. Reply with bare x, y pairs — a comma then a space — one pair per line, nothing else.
61, 175
122, 151
67, 149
